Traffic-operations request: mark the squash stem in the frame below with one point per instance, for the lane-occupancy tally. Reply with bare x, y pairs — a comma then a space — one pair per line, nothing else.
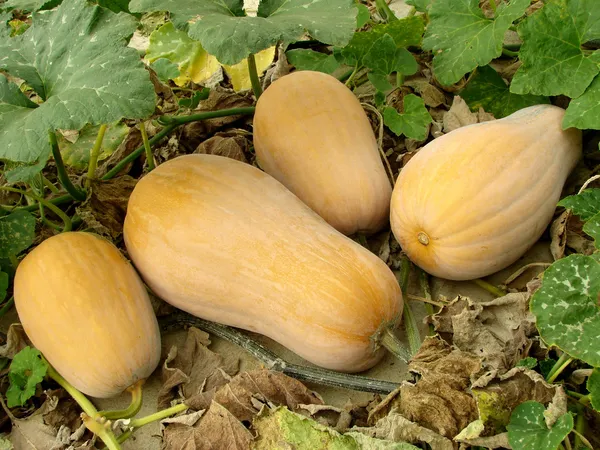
315, 375
77, 194
494, 290
149, 155
94, 154
133, 408
560, 365
391, 342
254, 78
410, 324
424, 282
47, 221
49, 184
163, 414
55, 209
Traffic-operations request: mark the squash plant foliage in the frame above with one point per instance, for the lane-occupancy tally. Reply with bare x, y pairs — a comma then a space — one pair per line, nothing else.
72, 69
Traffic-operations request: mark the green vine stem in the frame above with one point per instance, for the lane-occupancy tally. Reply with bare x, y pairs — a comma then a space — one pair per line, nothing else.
77, 194
560, 365
55, 201
163, 414
55, 209
392, 344
49, 184
94, 154
254, 78
509, 53
494, 290
410, 324
149, 155
88, 408
345, 75
7, 306
133, 408
424, 282
315, 375
352, 74
386, 13
47, 221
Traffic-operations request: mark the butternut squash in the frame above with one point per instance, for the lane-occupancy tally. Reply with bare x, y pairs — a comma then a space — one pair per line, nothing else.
311, 134
226, 242
473, 201
87, 311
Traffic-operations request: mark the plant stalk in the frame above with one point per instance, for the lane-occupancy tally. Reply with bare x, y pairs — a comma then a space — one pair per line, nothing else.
386, 13
49, 185
133, 408
94, 154
494, 290
56, 210
509, 53
254, 78
424, 282
149, 155
558, 367
77, 194
410, 324
163, 414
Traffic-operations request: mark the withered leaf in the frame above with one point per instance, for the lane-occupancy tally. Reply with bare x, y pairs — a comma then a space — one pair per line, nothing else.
194, 369
458, 116
233, 147
66, 411
217, 429
498, 331
430, 94
104, 210
265, 386
131, 142
16, 340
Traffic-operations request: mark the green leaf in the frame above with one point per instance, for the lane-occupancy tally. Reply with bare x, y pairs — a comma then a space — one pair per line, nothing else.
566, 309
17, 232
420, 5
115, 6
226, 33
488, 90
592, 228
413, 122
76, 58
528, 362
593, 386
553, 60
586, 204
363, 16
30, 5
384, 58
527, 429
165, 69
18, 27
380, 82
379, 98
77, 154
195, 99
305, 59
462, 38
584, 112
193, 62
546, 366
4, 280
406, 32
26, 371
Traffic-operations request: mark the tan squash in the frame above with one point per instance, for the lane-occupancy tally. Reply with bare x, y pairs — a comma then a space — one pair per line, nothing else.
87, 311
226, 242
473, 201
312, 134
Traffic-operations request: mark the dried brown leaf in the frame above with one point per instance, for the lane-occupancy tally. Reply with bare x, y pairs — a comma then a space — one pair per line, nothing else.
65, 411
167, 102
131, 142
498, 331
458, 116
194, 370
483, 116
277, 70
558, 235
16, 340
431, 95
104, 210
234, 147
266, 387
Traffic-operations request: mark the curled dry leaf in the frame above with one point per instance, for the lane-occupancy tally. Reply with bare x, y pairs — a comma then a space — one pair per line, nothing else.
566, 231
431, 95
266, 387
194, 371
498, 395
458, 116
498, 331
104, 210
131, 142
16, 340
277, 70
439, 400
224, 144
167, 102
558, 235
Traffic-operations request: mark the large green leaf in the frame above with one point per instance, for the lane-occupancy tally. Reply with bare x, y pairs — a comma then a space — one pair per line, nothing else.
528, 430
412, 122
30, 5
566, 308
226, 33
76, 59
586, 204
17, 232
77, 153
584, 111
305, 59
26, 371
488, 90
553, 61
384, 58
462, 37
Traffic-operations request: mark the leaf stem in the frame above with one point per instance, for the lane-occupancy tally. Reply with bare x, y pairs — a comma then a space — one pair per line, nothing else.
344, 76
94, 154
493, 6
352, 74
410, 324
424, 282
163, 414
180, 120
133, 408
254, 78
55, 201
558, 367
62, 173
7, 306
49, 185
386, 13
149, 155
390, 341
273, 362
509, 53
47, 221
55, 209
494, 290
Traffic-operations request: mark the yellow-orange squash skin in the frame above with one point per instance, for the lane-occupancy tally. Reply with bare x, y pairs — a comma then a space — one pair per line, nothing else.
227, 242
473, 201
312, 134
84, 307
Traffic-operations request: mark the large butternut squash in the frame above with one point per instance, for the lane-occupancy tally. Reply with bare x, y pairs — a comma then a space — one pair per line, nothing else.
86, 310
311, 134
227, 242
473, 201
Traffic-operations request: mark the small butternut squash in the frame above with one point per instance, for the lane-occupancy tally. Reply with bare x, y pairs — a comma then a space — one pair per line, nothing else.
226, 242
311, 134
473, 201
87, 311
